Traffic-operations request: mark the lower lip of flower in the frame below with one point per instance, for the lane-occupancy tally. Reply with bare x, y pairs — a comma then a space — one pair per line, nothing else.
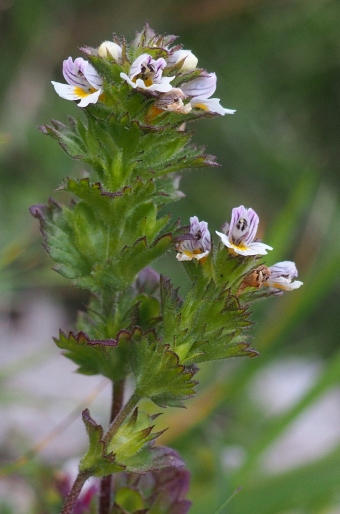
81, 93
201, 106
240, 247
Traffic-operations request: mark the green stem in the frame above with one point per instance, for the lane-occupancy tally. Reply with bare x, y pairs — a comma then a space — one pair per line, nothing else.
106, 482
72, 497
124, 413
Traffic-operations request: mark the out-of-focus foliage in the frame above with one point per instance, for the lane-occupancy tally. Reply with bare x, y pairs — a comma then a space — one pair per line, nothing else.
278, 64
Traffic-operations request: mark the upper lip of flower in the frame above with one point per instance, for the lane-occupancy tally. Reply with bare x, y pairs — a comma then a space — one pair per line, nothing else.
242, 232
146, 73
83, 82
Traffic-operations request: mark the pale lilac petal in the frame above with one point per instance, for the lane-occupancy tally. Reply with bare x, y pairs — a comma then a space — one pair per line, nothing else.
90, 99
92, 76
243, 225
65, 91
281, 275
81, 64
284, 268
210, 105
73, 74
159, 65
253, 221
203, 87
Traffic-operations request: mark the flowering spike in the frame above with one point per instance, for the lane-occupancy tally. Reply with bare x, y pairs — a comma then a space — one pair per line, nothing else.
135, 100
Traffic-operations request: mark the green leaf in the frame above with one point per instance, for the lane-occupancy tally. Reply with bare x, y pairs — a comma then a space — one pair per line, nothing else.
132, 436
208, 325
159, 374
98, 460
109, 357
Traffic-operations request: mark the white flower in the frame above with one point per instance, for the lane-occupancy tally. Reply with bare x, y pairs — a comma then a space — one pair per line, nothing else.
241, 232
196, 244
146, 73
190, 62
200, 90
110, 48
281, 276
84, 83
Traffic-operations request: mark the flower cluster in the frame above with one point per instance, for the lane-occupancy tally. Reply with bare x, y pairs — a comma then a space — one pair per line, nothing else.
240, 238
146, 74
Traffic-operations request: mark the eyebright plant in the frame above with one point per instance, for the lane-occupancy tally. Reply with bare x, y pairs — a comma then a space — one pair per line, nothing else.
135, 104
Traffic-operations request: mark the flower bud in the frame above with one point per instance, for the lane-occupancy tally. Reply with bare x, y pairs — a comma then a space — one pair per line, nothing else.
190, 62
109, 48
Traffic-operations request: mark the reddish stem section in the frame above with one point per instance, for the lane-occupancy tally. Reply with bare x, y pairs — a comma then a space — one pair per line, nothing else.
72, 497
106, 482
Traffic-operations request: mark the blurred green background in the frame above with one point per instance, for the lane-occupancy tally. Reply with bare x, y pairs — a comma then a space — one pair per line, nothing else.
270, 425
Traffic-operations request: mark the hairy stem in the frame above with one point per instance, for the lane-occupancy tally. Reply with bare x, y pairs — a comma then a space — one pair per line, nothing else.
105, 484
72, 497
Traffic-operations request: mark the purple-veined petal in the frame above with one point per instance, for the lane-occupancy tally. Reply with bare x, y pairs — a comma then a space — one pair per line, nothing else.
154, 67
243, 225
281, 275
200, 229
136, 66
73, 73
210, 105
203, 87
159, 66
284, 268
92, 76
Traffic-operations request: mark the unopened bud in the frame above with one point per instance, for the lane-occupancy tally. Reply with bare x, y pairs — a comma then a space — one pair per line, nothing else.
110, 49
189, 63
